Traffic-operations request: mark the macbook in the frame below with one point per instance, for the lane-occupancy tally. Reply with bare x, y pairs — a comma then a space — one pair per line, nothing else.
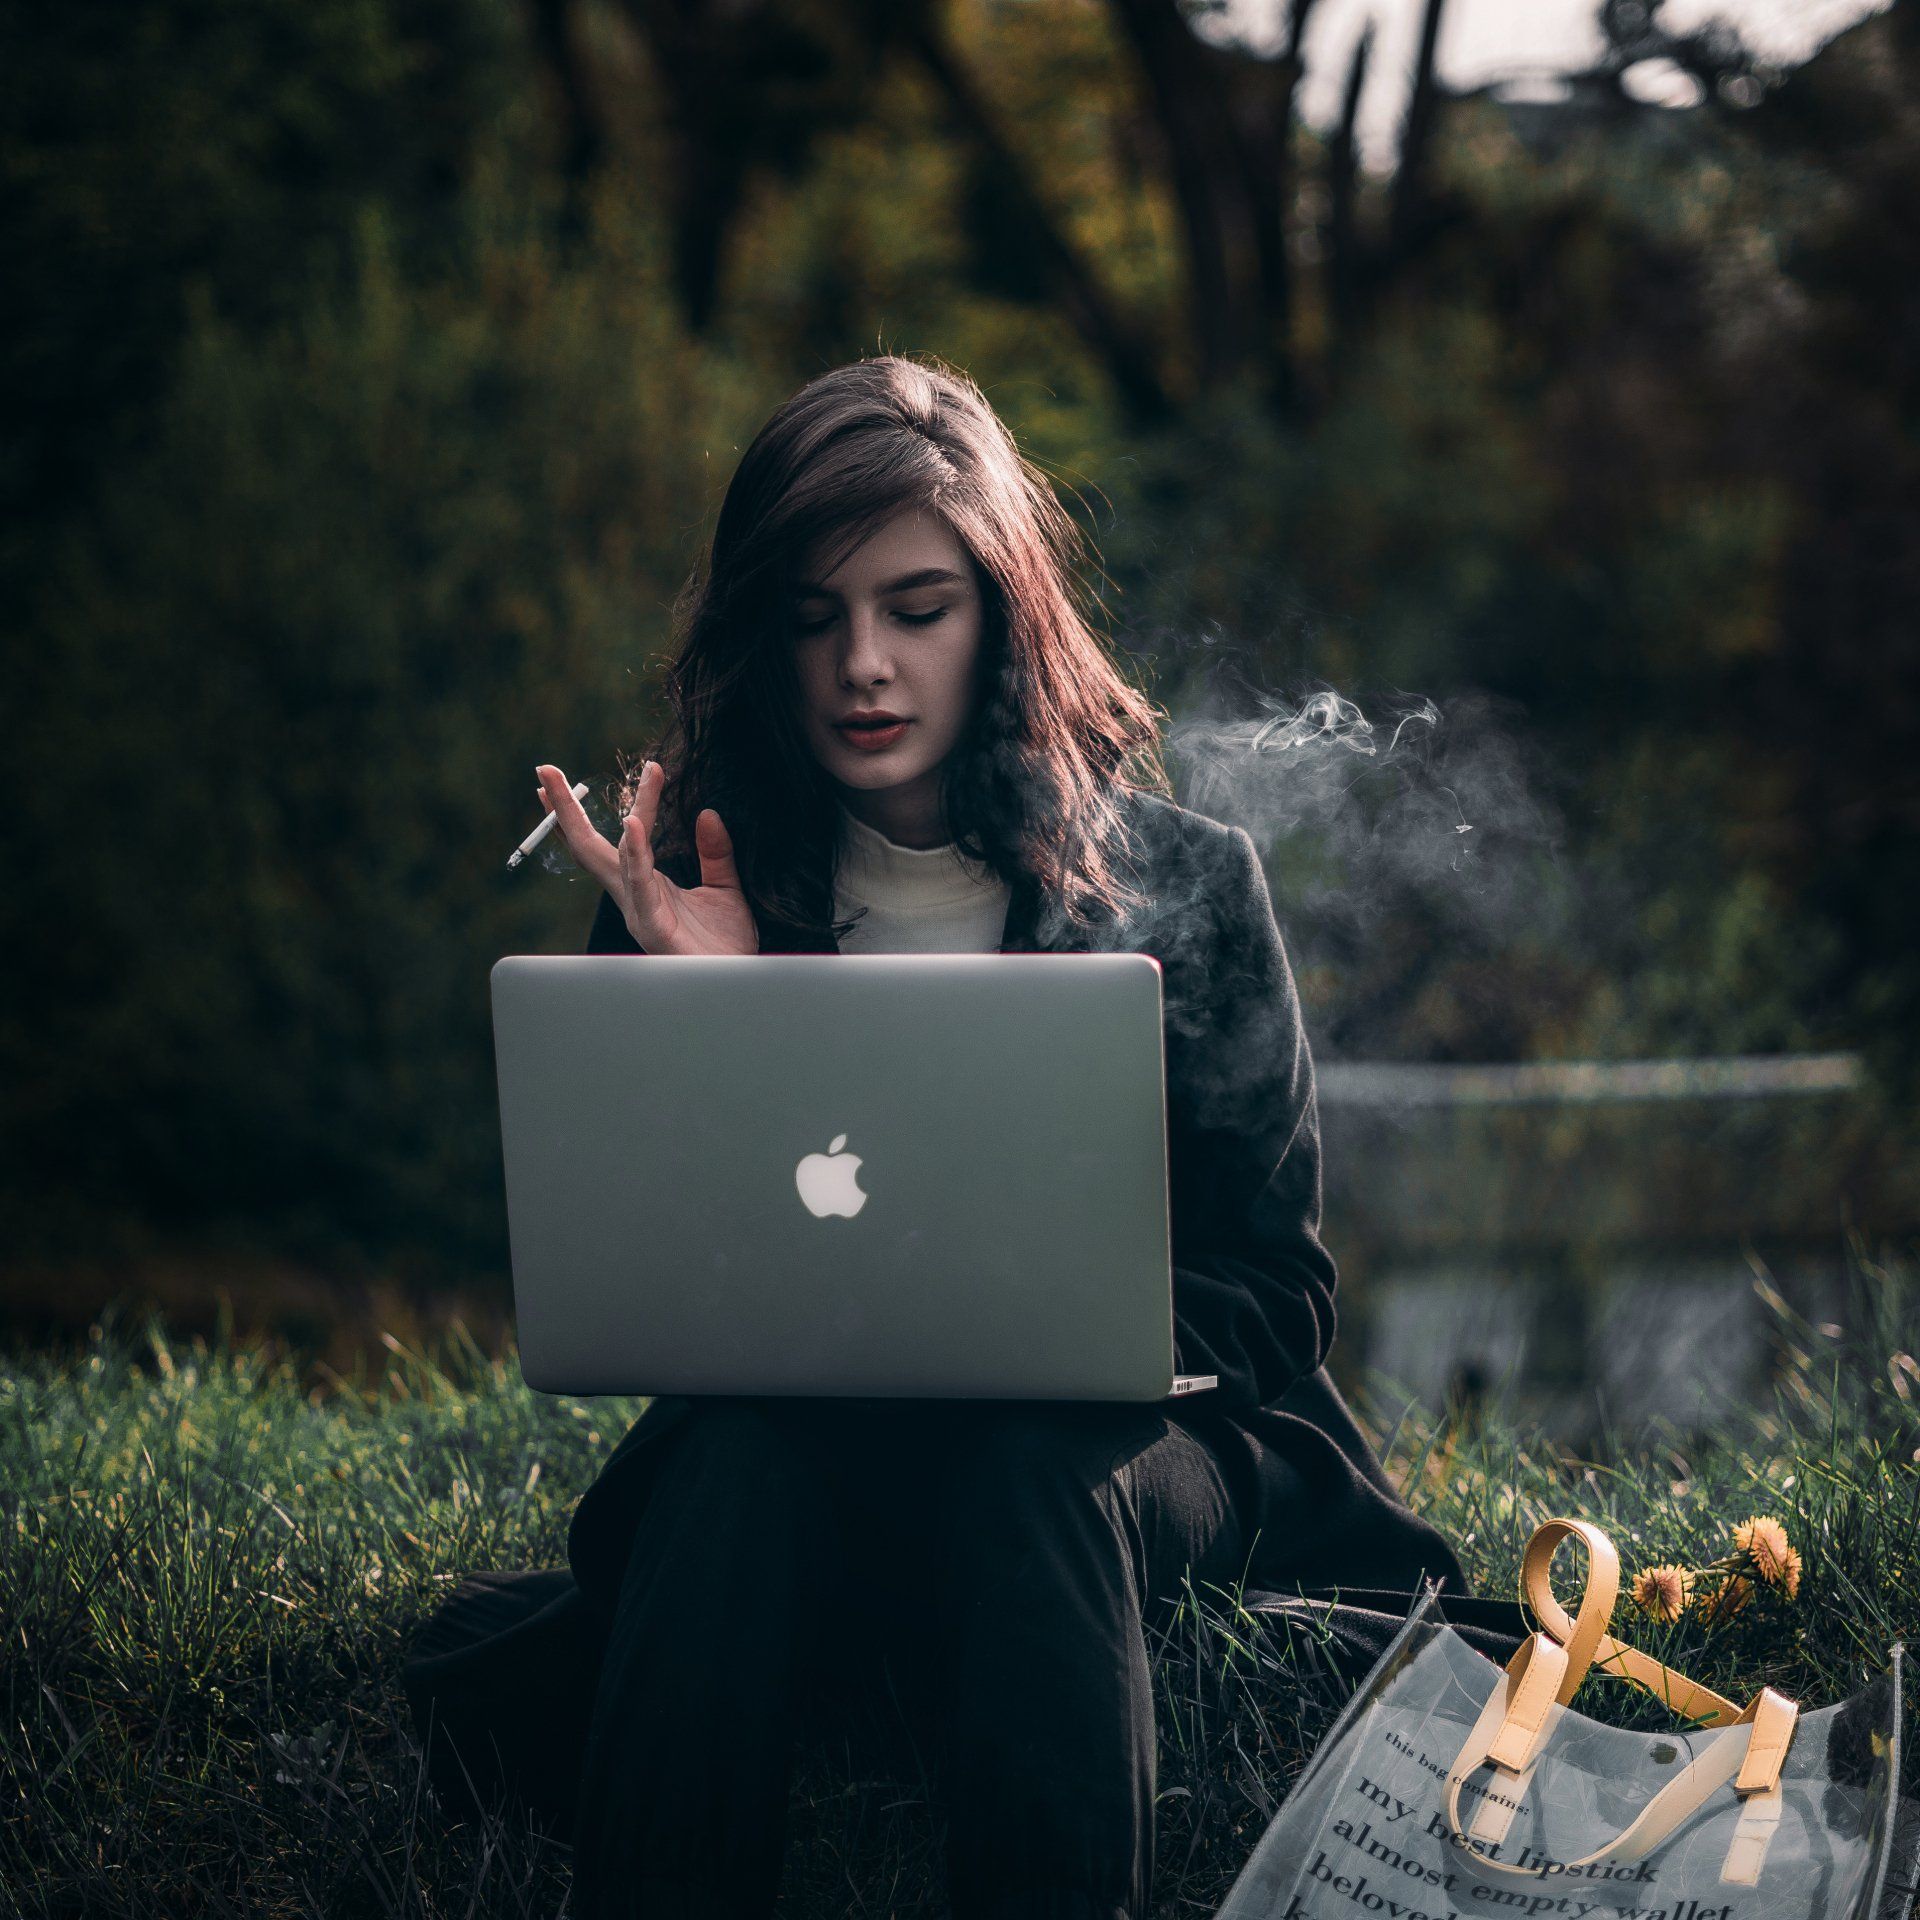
889, 1175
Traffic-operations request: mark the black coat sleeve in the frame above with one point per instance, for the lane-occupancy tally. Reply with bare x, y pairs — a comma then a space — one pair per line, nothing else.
1253, 1288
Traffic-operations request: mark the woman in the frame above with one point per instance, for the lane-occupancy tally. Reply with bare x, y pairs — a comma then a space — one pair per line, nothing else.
895, 731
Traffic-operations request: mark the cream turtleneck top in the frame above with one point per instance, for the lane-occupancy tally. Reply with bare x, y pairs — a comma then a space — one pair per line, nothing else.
918, 899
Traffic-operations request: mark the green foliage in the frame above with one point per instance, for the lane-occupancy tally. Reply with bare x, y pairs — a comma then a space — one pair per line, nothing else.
359, 459
377, 563
210, 1570
215, 1555
205, 146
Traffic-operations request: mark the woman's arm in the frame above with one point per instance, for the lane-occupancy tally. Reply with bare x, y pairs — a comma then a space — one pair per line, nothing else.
1253, 1288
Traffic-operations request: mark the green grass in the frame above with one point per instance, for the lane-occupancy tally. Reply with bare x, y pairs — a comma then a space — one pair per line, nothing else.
212, 1557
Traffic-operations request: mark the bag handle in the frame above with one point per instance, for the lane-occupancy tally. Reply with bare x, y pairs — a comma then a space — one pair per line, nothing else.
1547, 1669
1584, 1635
1578, 1635
1753, 1763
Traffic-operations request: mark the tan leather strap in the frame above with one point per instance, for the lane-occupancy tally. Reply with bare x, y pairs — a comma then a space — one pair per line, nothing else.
1580, 1635
1759, 1781
1755, 1759
1773, 1716
1535, 1676
1686, 1697
1585, 1637
1752, 1835
1500, 1803
1507, 1784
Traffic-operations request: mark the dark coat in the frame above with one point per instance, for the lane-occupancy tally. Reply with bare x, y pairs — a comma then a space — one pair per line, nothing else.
1253, 1300
1253, 1288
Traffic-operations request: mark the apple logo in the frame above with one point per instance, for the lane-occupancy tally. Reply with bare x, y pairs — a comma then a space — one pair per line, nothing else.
828, 1183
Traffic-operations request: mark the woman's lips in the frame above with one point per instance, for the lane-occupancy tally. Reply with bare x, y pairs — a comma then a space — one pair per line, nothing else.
873, 739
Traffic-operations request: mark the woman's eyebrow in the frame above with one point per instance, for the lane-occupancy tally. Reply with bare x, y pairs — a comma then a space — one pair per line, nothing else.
925, 577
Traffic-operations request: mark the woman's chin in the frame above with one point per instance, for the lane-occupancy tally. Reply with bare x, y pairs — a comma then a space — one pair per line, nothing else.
871, 773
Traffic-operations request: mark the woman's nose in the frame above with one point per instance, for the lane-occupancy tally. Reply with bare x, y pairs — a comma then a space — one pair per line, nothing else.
865, 659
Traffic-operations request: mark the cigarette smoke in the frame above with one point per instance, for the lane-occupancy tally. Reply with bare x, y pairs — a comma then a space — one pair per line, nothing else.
553, 853
1435, 817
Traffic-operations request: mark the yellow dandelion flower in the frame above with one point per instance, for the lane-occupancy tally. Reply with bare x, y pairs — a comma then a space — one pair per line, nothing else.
1790, 1580
1663, 1592
1723, 1601
1764, 1541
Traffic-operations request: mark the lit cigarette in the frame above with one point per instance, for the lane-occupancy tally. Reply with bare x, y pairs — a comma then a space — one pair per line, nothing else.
540, 832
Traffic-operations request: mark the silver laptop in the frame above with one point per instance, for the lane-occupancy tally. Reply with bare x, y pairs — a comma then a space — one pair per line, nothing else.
897, 1175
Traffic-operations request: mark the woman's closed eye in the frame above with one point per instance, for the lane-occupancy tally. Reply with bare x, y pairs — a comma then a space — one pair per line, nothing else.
912, 620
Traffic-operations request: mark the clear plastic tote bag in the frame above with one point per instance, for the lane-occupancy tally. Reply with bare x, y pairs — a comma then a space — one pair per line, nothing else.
1450, 1788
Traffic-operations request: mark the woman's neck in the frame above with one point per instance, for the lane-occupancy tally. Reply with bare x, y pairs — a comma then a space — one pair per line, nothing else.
909, 814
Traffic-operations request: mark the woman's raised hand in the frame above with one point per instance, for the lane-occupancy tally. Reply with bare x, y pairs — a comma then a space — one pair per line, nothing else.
713, 917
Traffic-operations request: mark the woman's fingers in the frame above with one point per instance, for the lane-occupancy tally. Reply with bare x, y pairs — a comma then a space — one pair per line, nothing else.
584, 840
646, 797
715, 844
645, 897
636, 857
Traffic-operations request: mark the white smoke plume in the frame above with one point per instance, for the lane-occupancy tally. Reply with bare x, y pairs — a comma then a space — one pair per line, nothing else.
1355, 814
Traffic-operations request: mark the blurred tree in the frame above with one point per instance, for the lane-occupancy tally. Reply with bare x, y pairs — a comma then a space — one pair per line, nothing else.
748, 92
1574, 462
743, 89
174, 144
1227, 124
1824, 353
371, 559
373, 412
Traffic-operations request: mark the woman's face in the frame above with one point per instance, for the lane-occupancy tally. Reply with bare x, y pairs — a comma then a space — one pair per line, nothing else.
895, 629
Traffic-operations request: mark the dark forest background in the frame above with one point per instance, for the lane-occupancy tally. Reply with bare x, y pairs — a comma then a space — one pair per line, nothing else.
372, 370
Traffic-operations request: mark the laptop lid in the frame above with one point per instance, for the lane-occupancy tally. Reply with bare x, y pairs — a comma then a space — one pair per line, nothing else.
925, 1175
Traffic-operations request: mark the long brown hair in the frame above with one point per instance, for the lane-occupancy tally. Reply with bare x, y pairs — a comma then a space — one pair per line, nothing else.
1056, 733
